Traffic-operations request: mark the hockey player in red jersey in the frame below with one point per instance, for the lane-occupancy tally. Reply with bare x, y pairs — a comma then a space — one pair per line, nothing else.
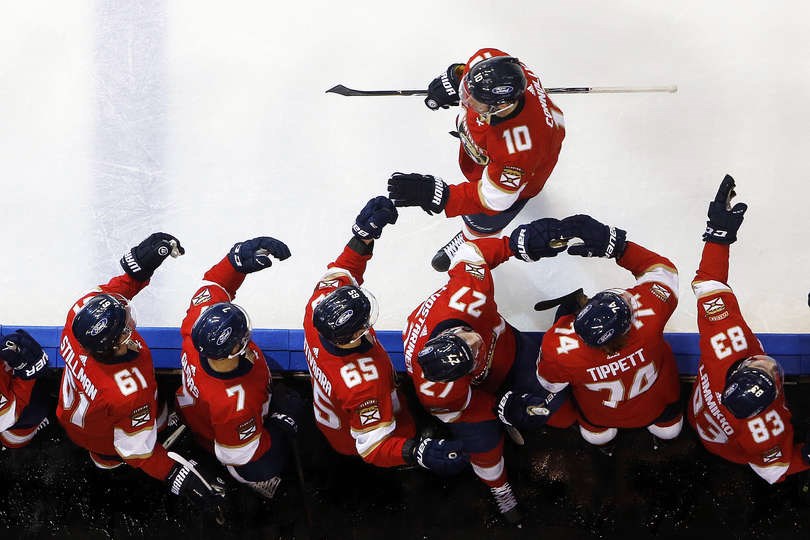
356, 402
474, 371
610, 350
225, 398
738, 402
24, 402
107, 403
511, 134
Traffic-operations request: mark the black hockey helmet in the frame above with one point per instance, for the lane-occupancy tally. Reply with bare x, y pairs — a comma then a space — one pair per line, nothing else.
446, 357
751, 386
343, 313
103, 323
220, 329
495, 82
607, 315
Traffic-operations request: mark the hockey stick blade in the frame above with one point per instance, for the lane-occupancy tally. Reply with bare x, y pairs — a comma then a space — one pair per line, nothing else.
554, 302
351, 92
344, 91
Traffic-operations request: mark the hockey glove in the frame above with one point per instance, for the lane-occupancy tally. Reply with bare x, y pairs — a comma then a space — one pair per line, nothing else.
376, 214
442, 456
538, 239
724, 220
523, 410
141, 261
24, 355
287, 408
187, 478
415, 189
443, 90
598, 239
254, 254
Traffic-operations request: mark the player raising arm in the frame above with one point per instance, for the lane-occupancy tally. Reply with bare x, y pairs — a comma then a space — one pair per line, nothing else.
511, 134
107, 403
474, 371
24, 401
738, 402
610, 350
226, 393
355, 400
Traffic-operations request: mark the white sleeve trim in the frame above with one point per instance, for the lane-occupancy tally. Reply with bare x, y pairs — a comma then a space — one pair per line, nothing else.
553, 387
9, 418
495, 197
236, 455
771, 473
489, 473
135, 445
206, 283
704, 288
661, 274
367, 441
337, 270
467, 252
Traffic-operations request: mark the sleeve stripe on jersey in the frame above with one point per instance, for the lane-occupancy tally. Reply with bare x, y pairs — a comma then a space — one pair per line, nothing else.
13, 440
452, 416
489, 473
336, 270
467, 252
771, 473
135, 445
705, 288
9, 416
237, 455
661, 274
367, 441
493, 196
551, 386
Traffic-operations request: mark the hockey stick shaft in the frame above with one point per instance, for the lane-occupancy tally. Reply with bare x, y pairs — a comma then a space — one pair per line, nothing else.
351, 92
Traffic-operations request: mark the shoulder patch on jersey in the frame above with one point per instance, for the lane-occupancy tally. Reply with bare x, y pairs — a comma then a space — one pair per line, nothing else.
475, 270
661, 292
140, 416
511, 177
246, 430
715, 309
328, 284
774, 454
202, 297
369, 412
3, 401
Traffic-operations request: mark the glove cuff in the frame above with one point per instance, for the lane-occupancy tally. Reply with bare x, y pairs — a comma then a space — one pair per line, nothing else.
360, 247
617, 243
409, 451
133, 268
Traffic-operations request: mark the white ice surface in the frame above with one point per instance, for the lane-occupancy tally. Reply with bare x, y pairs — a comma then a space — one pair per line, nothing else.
118, 119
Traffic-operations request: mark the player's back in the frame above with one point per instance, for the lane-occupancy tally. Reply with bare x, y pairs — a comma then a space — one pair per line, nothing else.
627, 389
95, 397
351, 389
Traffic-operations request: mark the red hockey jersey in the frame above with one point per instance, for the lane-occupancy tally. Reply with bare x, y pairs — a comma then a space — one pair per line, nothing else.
631, 388
764, 441
15, 394
469, 298
111, 408
506, 160
355, 400
225, 411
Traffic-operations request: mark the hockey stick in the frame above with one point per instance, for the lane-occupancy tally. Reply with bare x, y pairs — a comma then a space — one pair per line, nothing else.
171, 439
351, 92
299, 470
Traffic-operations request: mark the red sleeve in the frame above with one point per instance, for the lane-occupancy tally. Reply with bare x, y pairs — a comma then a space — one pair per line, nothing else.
463, 199
639, 260
224, 274
125, 285
158, 465
352, 261
494, 250
713, 263
15, 394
